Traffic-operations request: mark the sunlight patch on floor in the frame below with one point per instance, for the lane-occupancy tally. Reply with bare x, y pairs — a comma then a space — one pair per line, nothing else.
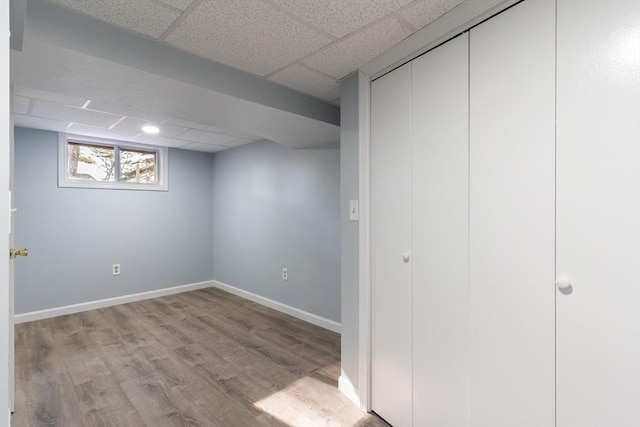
292, 405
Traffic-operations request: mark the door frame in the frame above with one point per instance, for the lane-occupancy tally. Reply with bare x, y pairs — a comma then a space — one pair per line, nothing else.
12, 347
453, 23
5, 209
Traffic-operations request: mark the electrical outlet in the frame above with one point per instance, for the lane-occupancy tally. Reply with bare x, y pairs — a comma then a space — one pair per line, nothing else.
115, 270
285, 274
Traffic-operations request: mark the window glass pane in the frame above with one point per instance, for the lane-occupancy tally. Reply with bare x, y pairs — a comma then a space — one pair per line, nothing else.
91, 162
137, 166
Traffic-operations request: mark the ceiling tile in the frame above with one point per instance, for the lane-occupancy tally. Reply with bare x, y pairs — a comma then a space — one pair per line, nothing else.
39, 123
195, 135
178, 4
422, 12
127, 109
192, 125
74, 101
350, 53
246, 34
158, 140
135, 126
50, 110
243, 135
207, 148
308, 81
97, 132
238, 142
341, 17
20, 105
144, 16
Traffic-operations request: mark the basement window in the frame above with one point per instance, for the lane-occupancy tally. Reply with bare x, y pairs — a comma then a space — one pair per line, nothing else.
100, 163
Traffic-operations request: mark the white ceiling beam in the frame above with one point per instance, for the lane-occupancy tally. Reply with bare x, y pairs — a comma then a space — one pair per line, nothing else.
71, 30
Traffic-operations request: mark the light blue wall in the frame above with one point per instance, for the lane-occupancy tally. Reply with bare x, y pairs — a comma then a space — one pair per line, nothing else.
238, 216
277, 207
349, 229
161, 239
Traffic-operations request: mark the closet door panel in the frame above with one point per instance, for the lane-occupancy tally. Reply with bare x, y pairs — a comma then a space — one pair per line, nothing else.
512, 168
390, 238
598, 219
440, 198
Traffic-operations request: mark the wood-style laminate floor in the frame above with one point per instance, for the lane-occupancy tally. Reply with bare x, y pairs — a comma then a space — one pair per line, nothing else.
201, 358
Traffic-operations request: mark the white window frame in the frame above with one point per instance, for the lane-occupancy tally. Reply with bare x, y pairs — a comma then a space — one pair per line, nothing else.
162, 164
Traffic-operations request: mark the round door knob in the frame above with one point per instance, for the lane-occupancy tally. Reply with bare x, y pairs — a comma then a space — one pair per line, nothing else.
405, 256
563, 283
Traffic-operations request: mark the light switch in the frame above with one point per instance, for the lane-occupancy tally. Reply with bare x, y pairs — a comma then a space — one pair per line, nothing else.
354, 211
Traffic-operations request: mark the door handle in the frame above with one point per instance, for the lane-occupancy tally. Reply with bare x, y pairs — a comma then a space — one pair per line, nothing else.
405, 256
564, 285
18, 252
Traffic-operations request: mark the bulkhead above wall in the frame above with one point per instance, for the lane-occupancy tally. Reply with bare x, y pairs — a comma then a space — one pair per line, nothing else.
81, 75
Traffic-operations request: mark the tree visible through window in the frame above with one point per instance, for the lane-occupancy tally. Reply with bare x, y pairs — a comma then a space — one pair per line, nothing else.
88, 162
137, 166
91, 162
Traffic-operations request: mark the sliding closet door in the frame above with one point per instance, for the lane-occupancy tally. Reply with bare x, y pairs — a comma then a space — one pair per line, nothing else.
440, 180
598, 199
390, 246
512, 167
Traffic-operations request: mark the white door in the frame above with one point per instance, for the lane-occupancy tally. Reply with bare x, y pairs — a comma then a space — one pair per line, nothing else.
512, 186
391, 338
5, 207
598, 219
440, 211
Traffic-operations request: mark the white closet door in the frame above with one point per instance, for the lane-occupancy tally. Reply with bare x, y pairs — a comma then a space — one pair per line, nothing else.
440, 181
512, 156
390, 240
598, 220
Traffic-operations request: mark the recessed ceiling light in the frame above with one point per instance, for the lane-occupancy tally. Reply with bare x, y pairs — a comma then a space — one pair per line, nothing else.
150, 129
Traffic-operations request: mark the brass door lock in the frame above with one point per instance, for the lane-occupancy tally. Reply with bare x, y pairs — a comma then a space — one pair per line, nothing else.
18, 252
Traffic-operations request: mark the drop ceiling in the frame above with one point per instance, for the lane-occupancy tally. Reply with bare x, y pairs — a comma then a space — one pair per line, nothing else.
304, 45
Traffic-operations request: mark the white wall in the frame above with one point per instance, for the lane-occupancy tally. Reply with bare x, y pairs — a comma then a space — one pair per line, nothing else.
349, 229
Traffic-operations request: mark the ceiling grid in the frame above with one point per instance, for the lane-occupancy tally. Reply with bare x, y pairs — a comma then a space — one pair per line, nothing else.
306, 45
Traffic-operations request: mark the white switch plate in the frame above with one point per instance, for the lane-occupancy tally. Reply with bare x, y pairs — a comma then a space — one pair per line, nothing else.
354, 210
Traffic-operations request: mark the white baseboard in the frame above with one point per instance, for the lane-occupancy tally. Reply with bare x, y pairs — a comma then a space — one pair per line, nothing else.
345, 386
287, 309
91, 305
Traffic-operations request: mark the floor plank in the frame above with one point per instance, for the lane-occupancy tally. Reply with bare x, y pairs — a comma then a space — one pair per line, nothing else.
203, 358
